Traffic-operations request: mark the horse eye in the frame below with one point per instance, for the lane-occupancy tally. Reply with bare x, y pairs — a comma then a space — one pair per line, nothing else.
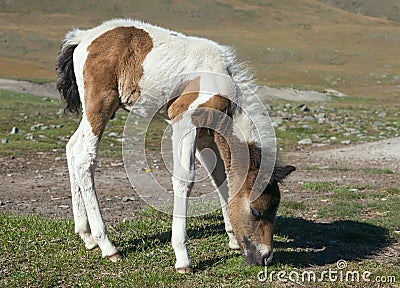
256, 214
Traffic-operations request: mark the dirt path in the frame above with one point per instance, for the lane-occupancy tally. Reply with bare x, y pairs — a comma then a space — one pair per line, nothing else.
45, 89
383, 154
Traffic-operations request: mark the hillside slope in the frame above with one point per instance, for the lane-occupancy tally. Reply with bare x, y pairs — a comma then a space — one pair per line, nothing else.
291, 42
387, 9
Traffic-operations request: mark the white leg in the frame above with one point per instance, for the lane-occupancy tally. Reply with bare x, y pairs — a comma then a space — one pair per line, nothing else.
184, 145
218, 178
84, 168
78, 207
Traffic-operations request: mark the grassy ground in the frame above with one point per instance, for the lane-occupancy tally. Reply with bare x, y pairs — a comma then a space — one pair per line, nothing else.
38, 252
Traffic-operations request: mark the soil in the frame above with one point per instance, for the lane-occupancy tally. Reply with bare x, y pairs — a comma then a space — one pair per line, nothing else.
38, 183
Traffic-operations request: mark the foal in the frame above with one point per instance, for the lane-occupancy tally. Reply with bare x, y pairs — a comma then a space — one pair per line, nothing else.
112, 66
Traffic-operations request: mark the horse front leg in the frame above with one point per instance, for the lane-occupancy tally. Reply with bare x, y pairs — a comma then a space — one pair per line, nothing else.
218, 178
184, 147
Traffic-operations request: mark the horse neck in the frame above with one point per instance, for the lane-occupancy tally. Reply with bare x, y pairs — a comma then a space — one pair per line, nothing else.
241, 170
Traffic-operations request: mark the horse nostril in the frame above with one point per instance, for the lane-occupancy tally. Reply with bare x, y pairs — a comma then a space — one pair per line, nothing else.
266, 258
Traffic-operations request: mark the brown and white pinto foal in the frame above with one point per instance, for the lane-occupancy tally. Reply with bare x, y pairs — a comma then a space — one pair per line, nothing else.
111, 66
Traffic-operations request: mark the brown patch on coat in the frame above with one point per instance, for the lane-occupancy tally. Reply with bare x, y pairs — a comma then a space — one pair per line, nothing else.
213, 114
189, 93
112, 72
217, 102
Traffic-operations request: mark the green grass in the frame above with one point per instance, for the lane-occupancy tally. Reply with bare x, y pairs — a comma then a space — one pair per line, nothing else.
317, 186
377, 170
357, 222
37, 252
379, 205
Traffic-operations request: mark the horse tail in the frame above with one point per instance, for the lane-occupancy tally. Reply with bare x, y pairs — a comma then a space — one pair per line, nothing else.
66, 84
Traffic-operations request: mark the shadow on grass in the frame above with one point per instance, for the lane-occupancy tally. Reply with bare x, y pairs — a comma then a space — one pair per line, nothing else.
165, 237
311, 243
326, 243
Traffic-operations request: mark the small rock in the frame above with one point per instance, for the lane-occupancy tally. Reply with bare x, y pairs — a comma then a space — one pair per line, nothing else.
36, 126
127, 199
303, 107
306, 141
346, 142
332, 92
14, 130
307, 127
382, 114
63, 206
29, 136
113, 134
57, 158
4, 141
309, 118
44, 127
391, 128
45, 99
277, 122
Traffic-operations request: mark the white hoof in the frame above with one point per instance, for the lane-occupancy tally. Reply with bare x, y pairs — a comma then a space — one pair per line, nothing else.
233, 244
184, 270
87, 238
115, 258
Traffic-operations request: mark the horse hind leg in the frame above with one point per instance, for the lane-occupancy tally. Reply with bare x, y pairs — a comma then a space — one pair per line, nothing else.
95, 118
82, 227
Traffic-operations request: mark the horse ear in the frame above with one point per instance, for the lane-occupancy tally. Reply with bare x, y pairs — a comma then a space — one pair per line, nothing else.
280, 173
